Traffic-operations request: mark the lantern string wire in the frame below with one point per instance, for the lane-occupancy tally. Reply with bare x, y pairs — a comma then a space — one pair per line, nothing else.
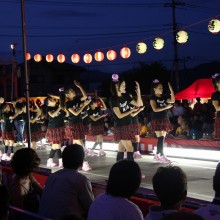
147, 38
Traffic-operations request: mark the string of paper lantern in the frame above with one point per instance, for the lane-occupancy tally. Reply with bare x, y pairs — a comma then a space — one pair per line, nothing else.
125, 52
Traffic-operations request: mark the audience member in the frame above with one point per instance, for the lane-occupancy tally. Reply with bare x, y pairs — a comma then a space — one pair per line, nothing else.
170, 186
67, 192
212, 211
25, 190
182, 216
198, 107
4, 202
124, 180
177, 109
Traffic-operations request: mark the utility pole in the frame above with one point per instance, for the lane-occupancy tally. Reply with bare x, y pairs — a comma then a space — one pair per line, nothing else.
175, 46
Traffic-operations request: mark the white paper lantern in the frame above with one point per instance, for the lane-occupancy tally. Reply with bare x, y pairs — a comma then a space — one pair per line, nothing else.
214, 26
158, 43
182, 37
141, 47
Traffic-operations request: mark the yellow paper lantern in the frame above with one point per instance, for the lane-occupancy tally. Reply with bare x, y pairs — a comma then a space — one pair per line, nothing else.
99, 56
61, 58
87, 58
37, 57
125, 52
111, 55
49, 58
141, 47
75, 58
158, 43
182, 37
214, 26
28, 56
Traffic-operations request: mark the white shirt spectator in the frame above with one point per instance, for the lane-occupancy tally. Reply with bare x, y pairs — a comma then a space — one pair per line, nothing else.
177, 111
66, 192
107, 207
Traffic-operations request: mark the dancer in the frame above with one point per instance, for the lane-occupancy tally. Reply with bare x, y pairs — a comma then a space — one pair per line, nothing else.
86, 126
97, 125
19, 121
216, 102
55, 130
8, 129
120, 105
159, 117
136, 127
74, 129
36, 133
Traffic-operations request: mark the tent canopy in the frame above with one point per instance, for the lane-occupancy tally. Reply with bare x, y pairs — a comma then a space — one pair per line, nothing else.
202, 88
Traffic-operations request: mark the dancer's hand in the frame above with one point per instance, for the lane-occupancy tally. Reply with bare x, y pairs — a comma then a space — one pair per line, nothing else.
137, 87
170, 87
77, 84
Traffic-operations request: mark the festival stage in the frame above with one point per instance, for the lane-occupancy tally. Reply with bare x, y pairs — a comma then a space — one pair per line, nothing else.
203, 149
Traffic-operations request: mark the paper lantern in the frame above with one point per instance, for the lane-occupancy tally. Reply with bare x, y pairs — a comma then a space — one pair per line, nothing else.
37, 57
111, 55
28, 56
214, 26
125, 52
182, 37
49, 58
75, 58
87, 58
61, 58
99, 56
158, 43
141, 47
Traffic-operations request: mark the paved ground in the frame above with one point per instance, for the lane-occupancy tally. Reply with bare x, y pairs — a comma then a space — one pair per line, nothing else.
199, 173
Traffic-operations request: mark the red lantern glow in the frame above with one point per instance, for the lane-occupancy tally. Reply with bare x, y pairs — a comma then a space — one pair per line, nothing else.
49, 58
111, 55
87, 58
99, 56
75, 58
37, 57
125, 52
61, 58
28, 56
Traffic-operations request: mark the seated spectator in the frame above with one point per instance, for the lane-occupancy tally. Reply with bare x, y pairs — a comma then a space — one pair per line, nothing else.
212, 211
183, 131
170, 186
145, 130
4, 202
25, 190
67, 192
178, 109
182, 216
124, 180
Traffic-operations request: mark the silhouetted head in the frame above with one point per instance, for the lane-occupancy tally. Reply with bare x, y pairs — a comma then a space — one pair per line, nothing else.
170, 186
124, 179
73, 156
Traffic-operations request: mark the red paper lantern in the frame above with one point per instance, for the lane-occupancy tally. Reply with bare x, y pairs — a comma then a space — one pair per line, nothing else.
49, 58
61, 58
111, 55
75, 58
28, 56
87, 58
125, 52
99, 56
37, 57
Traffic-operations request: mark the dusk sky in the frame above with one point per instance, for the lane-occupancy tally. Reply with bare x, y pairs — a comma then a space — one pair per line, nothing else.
80, 26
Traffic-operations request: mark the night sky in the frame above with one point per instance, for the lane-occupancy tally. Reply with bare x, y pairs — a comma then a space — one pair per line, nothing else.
80, 26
